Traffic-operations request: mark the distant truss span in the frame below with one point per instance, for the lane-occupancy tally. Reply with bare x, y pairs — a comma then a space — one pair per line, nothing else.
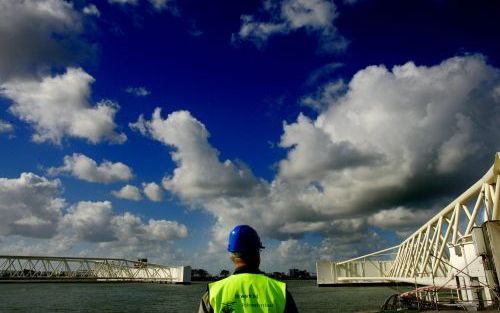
428, 256
17, 268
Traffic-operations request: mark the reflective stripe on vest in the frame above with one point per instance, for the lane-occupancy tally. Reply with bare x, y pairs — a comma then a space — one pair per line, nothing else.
242, 293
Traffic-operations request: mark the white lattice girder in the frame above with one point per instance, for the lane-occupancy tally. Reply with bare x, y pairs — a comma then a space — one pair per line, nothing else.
423, 254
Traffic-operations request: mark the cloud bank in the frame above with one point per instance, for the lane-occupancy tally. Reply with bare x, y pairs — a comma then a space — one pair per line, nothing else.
394, 143
35, 219
96, 222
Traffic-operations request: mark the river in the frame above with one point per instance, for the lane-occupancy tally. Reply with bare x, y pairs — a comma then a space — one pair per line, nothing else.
146, 297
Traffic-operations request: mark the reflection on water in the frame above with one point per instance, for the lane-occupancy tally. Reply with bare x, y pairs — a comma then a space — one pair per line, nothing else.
143, 297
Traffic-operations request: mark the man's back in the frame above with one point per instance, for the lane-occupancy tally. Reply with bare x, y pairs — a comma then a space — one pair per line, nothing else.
206, 306
247, 292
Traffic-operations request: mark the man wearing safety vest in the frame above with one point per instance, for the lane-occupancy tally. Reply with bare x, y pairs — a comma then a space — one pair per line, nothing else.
248, 289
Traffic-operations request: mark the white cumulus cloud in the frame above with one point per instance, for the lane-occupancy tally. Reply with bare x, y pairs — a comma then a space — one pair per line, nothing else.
6, 127
153, 191
30, 206
59, 106
91, 221
324, 96
85, 168
91, 9
138, 91
123, 2
97, 222
159, 4
401, 219
200, 173
128, 192
164, 230
404, 133
286, 16
152, 239
37, 34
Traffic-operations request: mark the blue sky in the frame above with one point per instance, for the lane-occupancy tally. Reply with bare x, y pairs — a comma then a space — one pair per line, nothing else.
150, 128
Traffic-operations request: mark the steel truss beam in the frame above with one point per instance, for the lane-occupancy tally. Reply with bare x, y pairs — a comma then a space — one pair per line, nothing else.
422, 256
68, 268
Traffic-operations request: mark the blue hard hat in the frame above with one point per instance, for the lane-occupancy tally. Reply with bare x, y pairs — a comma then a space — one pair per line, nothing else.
244, 238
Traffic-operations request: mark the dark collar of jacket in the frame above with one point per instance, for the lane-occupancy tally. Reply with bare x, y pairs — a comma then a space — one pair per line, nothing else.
247, 269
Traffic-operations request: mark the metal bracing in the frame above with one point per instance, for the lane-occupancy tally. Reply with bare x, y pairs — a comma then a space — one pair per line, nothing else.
68, 268
423, 255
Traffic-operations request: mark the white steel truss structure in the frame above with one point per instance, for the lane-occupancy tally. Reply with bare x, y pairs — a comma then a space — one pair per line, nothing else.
423, 257
81, 269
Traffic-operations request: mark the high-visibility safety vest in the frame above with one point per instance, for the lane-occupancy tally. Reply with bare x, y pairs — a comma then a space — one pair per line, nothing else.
243, 293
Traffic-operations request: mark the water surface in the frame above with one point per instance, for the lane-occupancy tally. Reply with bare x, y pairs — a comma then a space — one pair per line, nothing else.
146, 297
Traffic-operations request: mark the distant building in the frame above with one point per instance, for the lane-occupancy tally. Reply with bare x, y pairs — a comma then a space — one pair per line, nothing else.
294, 273
200, 274
224, 273
278, 275
141, 263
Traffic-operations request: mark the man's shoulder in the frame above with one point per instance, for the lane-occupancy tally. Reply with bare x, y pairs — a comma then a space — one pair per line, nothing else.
273, 279
236, 276
221, 281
